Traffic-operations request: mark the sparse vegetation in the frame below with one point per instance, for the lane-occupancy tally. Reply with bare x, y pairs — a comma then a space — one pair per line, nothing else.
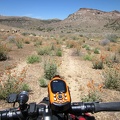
93, 92
13, 84
33, 59
43, 82
51, 41
58, 52
88, 57
37, 43
44, 50
96, 51
98, 64
3, 52
112, 38
19, 44
50, 69
112, 77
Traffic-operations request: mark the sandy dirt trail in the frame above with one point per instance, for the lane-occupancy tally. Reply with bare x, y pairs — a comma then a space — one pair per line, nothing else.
77, 73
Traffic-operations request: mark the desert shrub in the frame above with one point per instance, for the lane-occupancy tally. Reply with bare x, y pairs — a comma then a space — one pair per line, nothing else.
93, 92
115, 58
52, 47
98, 64
112, 38
25, 33
77, 51
84, 46
88, 57
44, 51
87, 47
19, 44
104, 42
25, 87
38, 43
13, 84
91, 97
112, 59
112, 77
43, 82
96, 51
50, 70
71, 44
58, 52
33, 59
11, 39
3, 53
27, 42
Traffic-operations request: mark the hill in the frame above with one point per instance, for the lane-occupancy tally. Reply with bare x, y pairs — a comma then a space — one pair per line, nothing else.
82, 21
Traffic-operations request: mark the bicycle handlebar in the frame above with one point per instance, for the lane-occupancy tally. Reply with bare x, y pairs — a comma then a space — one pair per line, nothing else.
77, 108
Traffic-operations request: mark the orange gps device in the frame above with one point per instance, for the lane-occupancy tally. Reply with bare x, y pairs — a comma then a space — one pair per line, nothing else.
59, 94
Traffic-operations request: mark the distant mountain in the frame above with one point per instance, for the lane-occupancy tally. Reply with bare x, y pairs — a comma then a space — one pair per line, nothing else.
24, 22
92, 20
84, 20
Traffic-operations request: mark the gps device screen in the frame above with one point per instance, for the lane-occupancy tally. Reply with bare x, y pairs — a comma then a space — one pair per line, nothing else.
58, 86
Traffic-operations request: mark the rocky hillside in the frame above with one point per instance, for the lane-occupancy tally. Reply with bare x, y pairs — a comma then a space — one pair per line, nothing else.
82, 21
92, 20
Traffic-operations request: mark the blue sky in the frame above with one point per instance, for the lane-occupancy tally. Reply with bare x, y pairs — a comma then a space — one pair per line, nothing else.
48, 9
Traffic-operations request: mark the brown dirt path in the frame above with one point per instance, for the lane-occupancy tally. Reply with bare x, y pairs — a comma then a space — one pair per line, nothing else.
77, 73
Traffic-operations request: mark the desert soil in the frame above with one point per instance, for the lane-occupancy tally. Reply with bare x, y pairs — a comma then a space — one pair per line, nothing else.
74, 70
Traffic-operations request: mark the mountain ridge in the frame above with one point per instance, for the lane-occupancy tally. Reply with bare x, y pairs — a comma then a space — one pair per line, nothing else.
83, 20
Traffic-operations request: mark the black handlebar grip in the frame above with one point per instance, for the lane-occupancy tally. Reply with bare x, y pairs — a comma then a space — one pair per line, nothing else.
110, 106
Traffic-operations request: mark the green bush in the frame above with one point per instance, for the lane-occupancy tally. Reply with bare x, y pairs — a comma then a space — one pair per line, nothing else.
98, 64
19, 44
3, 53
12, 85
38, 43
96, 51
112, 78
25, 87
59, 52
43, 82
91, 97
33, 59
88, 57
50, 70
87, 47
